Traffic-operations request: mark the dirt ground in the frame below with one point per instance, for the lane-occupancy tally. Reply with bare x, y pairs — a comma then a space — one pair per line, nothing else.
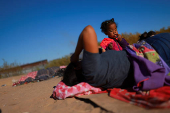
35, 98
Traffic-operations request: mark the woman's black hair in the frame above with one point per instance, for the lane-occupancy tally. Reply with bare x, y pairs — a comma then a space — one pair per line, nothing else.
151, 33
146, 35
143, 36
72, 76
105, 24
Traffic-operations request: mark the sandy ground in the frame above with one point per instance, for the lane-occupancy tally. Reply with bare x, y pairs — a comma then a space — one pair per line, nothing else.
35, 98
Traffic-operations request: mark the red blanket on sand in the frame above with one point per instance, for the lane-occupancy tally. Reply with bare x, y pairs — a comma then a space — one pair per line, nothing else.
31, 74
157, 98
23, 78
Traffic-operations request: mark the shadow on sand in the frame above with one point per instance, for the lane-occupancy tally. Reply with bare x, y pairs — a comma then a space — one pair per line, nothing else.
93, 104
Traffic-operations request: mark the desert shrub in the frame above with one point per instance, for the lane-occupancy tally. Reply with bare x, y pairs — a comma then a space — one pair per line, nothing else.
7, 70
59, 62
131, 38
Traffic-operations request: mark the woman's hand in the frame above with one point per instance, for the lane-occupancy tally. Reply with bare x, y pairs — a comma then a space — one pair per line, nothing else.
74, 58
78, 65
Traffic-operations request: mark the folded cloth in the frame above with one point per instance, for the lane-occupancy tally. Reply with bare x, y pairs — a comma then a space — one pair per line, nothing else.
150, 70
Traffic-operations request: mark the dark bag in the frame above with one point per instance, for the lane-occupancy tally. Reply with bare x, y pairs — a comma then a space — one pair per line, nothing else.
161, 43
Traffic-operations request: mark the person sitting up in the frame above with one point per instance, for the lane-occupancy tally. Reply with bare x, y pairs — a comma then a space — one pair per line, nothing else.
114, 40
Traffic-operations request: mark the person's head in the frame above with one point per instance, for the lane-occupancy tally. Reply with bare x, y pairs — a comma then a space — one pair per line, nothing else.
143, 36
151, 33
72, 76
109, 27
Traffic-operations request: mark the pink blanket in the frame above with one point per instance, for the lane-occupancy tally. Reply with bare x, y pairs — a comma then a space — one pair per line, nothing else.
63, 91
31, 74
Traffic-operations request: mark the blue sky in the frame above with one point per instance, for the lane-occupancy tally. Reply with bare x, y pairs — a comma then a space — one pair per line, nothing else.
34, 30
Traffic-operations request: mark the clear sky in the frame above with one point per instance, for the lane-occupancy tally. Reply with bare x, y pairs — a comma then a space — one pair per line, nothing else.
34, 30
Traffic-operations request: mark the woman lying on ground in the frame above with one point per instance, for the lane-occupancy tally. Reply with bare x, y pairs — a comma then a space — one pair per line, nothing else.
107, 70
138, 66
